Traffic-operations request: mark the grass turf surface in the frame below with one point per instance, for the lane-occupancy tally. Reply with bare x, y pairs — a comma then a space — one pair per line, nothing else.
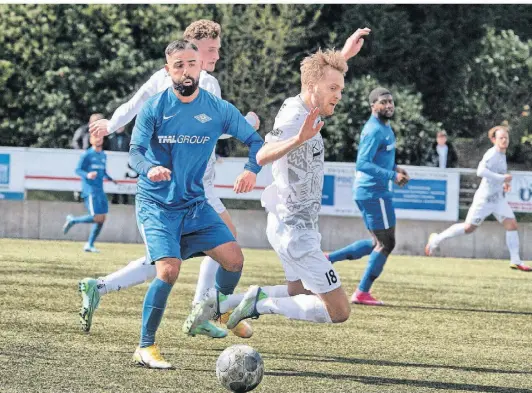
452, 325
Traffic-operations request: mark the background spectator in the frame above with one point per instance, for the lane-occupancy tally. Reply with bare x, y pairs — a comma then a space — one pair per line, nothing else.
119, 141
442, 153
80, 140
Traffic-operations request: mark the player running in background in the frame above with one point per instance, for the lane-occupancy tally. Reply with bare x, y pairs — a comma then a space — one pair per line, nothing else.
372, 192
91, 169
205, 34
489, 199
172, 142
295, 146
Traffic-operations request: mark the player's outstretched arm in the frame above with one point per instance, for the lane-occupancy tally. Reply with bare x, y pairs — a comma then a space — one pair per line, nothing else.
354, 43
273, 151
127, 111
484, 171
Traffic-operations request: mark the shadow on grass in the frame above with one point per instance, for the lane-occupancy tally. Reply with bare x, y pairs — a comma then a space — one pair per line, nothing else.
373, 362
368, 380
510, 312
397, 381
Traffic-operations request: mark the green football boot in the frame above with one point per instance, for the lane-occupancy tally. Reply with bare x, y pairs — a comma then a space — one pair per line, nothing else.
90, 299
198, 321
247, 307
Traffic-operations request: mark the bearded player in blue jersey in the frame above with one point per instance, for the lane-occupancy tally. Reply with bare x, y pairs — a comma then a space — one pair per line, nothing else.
372, 192
91, 169
174, 136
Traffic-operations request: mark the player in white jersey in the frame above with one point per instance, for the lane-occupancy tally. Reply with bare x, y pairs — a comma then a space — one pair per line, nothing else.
295, 146
489, 199
206, 35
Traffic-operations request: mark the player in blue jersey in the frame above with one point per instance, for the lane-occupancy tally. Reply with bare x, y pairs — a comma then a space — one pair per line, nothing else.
372, 192
91, 169
174, 136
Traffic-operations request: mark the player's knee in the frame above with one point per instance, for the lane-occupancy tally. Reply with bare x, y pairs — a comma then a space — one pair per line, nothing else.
99, 218
469, 228
341, 313
235, 264
510, 224
167, 271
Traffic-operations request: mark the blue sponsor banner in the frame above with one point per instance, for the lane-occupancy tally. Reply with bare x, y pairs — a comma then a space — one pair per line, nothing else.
421, 194
4, 169
327, 198
11, 196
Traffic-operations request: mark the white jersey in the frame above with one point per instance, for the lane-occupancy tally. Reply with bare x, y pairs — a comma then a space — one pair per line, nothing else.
158, 82
492, 169
296, 192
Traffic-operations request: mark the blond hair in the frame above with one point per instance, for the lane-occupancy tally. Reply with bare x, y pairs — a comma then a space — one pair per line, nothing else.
202, 29
493, 131
313, 67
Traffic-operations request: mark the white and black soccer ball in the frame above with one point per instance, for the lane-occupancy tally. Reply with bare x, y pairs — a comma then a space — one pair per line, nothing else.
239, 368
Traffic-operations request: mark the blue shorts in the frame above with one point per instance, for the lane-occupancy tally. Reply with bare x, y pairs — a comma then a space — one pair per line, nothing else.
377, 213
182, 233
96, 204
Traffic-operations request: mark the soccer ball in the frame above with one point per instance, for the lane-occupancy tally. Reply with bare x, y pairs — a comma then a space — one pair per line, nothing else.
239, 368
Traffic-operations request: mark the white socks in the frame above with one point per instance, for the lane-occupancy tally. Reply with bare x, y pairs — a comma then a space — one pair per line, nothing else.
134, 273
452, 231
302, 307
512, 242
231, 301
206, 278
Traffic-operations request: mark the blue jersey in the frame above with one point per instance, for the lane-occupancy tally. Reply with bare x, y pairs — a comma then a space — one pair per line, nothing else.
92, 161
375, 166
181, 137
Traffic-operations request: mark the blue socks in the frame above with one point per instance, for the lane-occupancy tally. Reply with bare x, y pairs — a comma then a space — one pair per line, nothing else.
353, 251
153, 310
226, 281
88, 219
96, 229
373, 270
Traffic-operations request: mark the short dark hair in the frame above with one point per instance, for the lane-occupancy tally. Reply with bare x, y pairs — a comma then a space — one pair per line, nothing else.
376, 93
179, 45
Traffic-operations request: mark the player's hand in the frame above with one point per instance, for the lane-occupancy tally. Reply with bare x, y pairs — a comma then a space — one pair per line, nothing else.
401, 179
309, 129
159, 173
99, 128
507, 178
92, 175
253, 119
245, 182
401, 170
506, 187
354, 43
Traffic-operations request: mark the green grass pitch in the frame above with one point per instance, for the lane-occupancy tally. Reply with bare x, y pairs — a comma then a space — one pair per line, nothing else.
450, 325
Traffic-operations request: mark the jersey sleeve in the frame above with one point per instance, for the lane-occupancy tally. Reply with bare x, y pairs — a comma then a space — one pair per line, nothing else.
212, 86
127, 111
81, 169
287, 124
485, 168
144, 127
236, 125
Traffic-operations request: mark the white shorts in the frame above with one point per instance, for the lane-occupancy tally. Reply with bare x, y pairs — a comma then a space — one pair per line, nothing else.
301, 255
481, 208
208, 186
213, 199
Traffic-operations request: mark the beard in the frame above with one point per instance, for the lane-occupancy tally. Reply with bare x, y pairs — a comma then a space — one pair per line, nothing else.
386, 116
186, 90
